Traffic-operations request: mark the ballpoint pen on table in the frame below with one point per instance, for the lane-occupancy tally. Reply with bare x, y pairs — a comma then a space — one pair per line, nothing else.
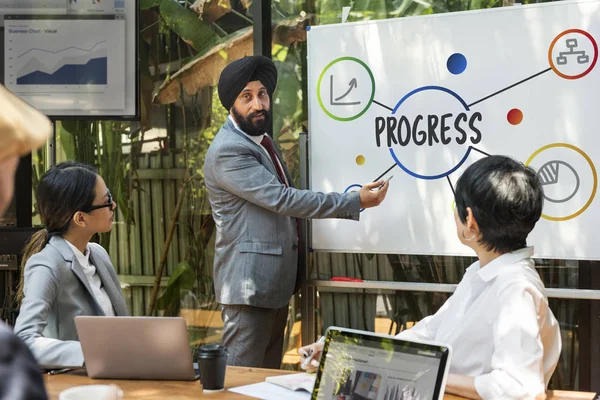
311, 353
60, 371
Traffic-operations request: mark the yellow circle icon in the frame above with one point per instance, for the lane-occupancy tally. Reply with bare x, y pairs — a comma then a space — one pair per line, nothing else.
360, 160
594, 175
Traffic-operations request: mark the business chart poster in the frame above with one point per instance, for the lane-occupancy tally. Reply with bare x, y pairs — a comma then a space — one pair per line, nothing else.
422, 98
62, 63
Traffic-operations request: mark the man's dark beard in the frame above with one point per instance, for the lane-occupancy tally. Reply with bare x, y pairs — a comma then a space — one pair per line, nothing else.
252, 128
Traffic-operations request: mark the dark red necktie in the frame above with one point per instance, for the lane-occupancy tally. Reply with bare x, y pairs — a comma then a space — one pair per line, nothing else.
268, 145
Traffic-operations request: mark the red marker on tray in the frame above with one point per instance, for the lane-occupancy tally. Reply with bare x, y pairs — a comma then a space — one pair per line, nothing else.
345, 279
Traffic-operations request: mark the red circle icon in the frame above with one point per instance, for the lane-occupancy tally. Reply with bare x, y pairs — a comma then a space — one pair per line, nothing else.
514, 116
551, 59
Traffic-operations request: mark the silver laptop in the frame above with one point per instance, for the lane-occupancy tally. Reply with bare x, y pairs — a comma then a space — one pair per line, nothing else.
361, 365
135, 348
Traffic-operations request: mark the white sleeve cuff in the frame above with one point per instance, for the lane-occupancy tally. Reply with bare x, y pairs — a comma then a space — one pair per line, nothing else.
495, 385
486, 387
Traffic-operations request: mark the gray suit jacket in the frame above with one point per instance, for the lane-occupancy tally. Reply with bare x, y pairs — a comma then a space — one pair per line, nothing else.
56, 291
256, 250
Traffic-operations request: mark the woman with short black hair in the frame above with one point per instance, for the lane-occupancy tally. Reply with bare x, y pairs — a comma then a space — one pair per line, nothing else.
505, 340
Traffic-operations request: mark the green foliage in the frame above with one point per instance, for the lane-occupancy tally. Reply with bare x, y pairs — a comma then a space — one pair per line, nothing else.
187, 25
287, 107
181, 281
146, 4
99, 144
330, 11
200, 224
201, 140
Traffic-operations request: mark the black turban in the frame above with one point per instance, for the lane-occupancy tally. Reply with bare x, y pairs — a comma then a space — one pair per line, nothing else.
236, 76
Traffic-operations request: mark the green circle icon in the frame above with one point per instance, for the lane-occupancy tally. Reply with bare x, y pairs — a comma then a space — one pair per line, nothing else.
329, 113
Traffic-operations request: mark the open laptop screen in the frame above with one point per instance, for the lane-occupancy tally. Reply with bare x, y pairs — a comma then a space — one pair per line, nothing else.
360, 365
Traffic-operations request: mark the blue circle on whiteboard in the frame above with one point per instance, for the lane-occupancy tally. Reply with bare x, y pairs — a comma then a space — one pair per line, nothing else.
354, 185
457, 63
467, 151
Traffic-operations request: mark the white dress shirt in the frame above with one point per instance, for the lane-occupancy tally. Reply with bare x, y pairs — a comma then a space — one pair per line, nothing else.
500, 328
94, 280
258, 140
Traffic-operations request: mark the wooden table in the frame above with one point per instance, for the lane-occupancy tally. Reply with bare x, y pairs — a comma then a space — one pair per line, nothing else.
165, 390
235, 376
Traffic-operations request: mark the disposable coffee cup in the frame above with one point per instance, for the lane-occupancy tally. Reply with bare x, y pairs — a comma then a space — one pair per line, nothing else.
212, 362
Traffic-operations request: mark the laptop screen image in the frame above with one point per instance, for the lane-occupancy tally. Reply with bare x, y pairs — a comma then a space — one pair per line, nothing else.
359, 365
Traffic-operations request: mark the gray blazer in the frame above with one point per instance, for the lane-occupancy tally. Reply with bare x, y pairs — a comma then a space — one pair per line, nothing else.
56, 291
256, 249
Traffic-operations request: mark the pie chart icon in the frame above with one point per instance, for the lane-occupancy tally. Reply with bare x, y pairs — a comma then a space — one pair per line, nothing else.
560, 181
568, 177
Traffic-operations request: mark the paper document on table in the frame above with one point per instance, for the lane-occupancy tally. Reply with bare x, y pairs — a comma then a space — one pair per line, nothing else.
268, 391
302, 381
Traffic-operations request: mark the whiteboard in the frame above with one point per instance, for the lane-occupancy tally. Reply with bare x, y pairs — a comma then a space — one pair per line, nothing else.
422, 98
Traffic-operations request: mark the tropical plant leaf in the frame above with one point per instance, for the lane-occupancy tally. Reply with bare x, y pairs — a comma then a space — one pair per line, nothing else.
286, 95
187, 25
211, 10
66, 140
182, 279
204, 69
78, 136
183, 275
146, 4
146, 89
290, 31
330, 11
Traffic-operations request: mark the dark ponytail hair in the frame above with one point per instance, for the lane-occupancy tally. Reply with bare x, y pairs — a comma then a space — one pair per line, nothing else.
63, 190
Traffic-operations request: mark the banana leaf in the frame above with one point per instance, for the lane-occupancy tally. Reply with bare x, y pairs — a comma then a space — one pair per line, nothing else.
146, 4
204, 69
187, 25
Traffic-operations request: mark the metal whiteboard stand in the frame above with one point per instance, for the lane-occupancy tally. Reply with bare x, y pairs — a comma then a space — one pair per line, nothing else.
308, 293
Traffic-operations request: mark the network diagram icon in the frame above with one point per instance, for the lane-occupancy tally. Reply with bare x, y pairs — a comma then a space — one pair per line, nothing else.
571, 44
567, 173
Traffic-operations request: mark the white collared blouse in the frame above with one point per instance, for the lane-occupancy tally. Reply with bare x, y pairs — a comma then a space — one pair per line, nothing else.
500, 328
94, 280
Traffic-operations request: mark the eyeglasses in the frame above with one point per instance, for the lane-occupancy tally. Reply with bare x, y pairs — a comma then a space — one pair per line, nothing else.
108, 204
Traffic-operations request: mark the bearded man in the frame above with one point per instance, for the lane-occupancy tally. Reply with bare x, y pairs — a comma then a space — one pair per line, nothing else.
255, 207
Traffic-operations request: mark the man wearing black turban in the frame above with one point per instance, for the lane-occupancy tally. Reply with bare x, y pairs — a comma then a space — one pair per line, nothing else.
236, 76
255, 207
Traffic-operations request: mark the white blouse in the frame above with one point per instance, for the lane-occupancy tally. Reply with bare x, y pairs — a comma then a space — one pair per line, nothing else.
94, 280
500, 328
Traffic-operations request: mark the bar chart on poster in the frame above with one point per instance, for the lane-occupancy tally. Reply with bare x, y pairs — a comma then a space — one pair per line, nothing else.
75, 63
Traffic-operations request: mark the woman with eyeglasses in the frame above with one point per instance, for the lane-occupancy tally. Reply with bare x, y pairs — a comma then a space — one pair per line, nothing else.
63, 274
